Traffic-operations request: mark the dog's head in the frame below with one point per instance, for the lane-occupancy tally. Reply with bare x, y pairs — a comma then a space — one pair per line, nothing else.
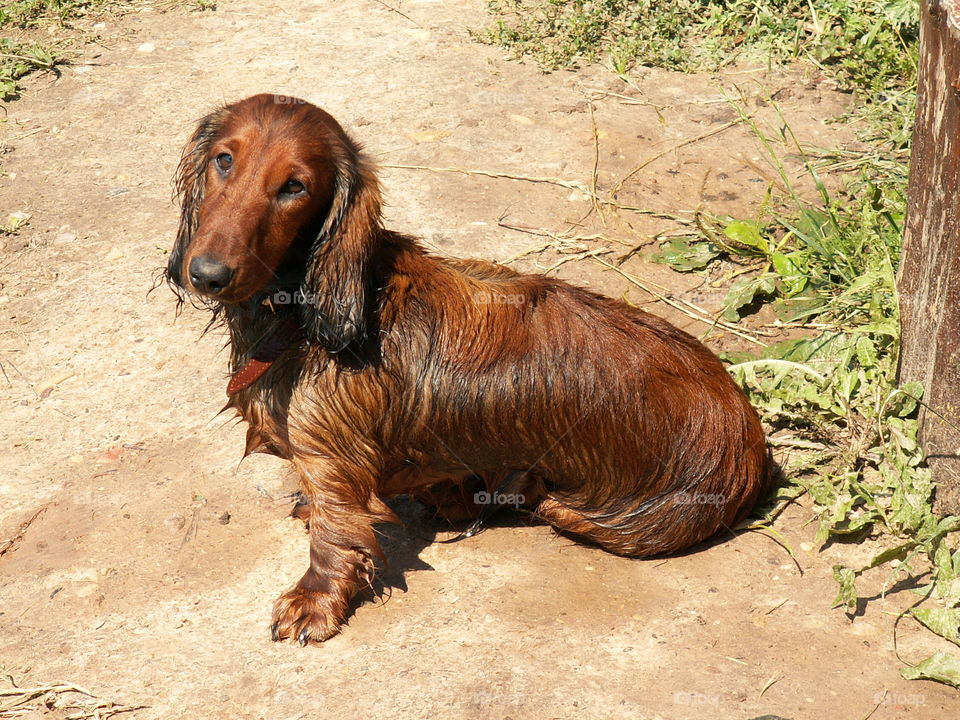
276, 196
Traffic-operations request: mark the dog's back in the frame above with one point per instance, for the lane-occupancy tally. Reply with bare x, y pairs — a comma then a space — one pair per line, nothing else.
630, 430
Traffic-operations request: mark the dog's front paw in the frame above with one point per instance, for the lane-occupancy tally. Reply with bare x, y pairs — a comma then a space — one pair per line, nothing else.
306, 615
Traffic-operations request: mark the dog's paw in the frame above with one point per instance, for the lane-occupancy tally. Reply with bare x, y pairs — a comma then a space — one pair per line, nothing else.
306, 615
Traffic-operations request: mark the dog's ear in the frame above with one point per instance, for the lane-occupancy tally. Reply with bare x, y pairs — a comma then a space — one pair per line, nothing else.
189, 183
337, 287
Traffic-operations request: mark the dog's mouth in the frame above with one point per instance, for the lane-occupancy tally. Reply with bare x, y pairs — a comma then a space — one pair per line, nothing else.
208, 280
216, 278
211, 280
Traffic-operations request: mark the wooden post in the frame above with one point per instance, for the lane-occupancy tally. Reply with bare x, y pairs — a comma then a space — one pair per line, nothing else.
929, 275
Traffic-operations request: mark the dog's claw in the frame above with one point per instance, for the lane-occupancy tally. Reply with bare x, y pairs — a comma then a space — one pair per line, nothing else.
304, 616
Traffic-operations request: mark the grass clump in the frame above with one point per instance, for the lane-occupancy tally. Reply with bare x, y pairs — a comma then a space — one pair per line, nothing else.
19, 57
26, 13
21, 54
867, 44
829, 269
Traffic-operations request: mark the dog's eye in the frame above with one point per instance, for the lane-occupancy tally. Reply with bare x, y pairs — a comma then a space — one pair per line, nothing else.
224, 161
292, 187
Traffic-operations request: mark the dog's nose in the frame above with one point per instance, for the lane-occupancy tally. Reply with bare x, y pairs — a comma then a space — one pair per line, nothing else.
209, 275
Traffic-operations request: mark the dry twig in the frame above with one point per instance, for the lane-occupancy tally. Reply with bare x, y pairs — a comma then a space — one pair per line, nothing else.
680, 308
12, 542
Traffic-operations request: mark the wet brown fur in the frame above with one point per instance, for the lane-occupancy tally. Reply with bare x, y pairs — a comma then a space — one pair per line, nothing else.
431, 376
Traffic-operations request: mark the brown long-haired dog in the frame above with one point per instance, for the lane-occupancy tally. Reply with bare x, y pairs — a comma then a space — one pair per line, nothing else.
379, 369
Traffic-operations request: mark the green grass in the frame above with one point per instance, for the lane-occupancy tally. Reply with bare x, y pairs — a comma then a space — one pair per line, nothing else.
867, 44
24, 13
830, 268
827, 267
20, 57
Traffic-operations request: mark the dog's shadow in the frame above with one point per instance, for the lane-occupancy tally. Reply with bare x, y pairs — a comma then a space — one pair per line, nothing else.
420, 527
403, 544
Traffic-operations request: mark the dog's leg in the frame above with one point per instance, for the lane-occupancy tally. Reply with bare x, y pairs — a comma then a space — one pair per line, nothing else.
453, 500
340, 514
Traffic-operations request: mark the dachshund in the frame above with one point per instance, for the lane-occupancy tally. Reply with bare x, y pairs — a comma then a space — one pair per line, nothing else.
377, 368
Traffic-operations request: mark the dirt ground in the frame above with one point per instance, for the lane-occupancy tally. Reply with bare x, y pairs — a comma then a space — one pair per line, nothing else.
147, 557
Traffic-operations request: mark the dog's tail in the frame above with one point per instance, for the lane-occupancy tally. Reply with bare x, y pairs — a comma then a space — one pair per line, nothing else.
710, 496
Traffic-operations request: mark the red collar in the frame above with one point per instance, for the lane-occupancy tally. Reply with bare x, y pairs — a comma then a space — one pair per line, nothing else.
286, 335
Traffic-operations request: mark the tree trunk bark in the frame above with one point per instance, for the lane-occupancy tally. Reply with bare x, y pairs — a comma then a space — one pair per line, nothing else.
929, 275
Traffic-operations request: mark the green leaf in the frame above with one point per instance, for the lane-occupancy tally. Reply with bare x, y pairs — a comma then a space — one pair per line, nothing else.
793, 350
907, 514
898, 552
792, 309
941, 667
744, 292
685, 256
746, 234
793, 276
812, 396
848, 382
900, 13
881, 327
811, 228
847, 594
905, 400
866, 352
947, 525
907, 443
860, 284
945, 622
944, 574
823, 534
